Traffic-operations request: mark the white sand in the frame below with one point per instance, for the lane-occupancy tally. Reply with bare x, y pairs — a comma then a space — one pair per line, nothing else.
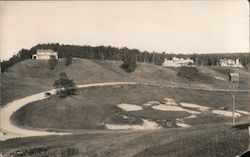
202, 108
164, 107
243, 112
183, 125
129, 107
190, 117
226, 113
147, 125
170, 101
219, 78
150, 103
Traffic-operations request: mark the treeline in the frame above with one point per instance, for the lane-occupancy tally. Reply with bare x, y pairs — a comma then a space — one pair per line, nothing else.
114, 53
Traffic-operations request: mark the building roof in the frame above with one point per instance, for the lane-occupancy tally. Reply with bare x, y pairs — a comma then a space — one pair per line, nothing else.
234, 74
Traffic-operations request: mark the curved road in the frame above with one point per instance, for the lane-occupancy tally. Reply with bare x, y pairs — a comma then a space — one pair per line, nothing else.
9, 130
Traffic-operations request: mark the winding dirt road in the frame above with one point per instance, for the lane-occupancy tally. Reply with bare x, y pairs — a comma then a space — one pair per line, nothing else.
9, 130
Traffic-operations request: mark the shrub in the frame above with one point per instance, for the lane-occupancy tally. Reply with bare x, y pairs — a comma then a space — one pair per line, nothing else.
68, 60
52, 62
129, 63
66, 86
188, 72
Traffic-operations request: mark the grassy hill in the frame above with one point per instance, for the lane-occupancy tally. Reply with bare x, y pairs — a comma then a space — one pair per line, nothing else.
95, 105
32, 76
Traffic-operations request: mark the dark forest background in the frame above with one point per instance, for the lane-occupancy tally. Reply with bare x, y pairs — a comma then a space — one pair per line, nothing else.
114, 53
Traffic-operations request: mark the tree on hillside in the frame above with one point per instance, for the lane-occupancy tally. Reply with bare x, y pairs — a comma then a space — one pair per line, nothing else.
68, 60
129, 62
188, 73
66, 87
52, 62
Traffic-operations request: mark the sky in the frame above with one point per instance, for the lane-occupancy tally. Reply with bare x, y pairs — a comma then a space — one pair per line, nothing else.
161, 26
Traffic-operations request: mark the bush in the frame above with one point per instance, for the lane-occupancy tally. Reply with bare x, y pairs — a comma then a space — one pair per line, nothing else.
188, 72
52, 62
66, 86
129, 63
68, 60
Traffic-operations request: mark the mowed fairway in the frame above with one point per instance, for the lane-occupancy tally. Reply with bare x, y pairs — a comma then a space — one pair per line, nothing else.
94, 107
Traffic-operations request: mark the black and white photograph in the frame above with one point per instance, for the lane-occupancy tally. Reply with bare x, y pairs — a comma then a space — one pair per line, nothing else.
125, 78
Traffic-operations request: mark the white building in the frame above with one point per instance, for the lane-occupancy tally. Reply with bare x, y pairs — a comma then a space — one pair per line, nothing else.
230, 63
178, 62
44, 54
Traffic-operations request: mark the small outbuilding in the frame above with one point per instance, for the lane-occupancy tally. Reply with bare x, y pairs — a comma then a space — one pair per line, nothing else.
234, 77
44, 54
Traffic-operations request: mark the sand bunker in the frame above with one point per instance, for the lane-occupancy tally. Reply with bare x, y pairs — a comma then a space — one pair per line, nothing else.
190, 117
129, 107
219, 78
183, 125
170, 101
147, 125
163, 107
151, 103
226, 113
202, 108
243, 112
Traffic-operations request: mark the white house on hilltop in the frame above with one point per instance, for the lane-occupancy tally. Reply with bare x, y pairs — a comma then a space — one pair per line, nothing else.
178, 62
230, 63
44, 54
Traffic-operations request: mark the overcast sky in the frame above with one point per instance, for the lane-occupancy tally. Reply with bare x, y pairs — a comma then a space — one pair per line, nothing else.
170, 26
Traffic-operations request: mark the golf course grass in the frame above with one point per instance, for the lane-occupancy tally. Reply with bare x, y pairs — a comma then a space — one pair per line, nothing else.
94, 107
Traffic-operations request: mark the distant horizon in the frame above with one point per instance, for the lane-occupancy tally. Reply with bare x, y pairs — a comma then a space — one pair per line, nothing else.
179, 27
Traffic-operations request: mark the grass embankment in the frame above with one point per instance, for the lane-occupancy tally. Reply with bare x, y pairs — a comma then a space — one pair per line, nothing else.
95, 106
33, 76
206, 141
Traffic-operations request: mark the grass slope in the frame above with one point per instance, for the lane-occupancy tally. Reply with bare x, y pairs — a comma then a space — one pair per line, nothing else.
200, 141
33, 76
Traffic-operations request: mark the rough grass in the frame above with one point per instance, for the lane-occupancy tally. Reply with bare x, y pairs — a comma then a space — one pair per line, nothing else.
214, 143
33, 76
200, 141
94, 106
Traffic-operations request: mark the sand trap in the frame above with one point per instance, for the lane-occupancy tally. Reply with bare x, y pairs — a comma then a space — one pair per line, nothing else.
190, 117
183, 125
125, 117
226, 113
147, 125
150, 103
163, 107
202, 108
170, 101
243, 112
129, 107
219, 78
